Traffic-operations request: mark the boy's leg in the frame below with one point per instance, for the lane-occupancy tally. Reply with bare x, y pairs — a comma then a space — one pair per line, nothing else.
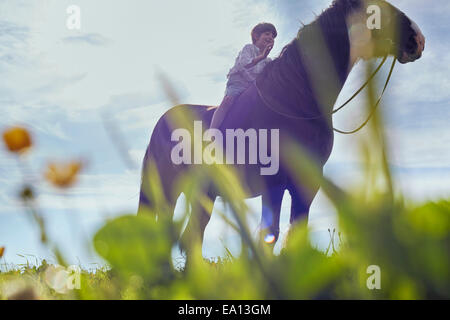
221, 112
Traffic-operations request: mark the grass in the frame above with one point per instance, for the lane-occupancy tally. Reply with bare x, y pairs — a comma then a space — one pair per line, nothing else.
410, 245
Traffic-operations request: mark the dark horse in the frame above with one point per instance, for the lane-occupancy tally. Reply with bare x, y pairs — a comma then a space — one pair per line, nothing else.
295, 94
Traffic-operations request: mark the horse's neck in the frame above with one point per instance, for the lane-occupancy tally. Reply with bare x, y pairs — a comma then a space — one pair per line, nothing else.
326, 59
307, 78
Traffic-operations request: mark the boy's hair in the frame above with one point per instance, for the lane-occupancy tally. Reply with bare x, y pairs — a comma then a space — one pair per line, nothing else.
260, 28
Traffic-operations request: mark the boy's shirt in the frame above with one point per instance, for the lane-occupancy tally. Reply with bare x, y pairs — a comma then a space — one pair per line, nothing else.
239, 78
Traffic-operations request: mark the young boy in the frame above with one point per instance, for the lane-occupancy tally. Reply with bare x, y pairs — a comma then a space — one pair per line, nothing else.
250, 62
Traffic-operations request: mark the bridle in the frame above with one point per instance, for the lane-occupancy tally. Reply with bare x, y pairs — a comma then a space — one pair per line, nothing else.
373, 108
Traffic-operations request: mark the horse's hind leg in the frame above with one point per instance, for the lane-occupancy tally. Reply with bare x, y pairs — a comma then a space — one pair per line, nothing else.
200, 216
302, 198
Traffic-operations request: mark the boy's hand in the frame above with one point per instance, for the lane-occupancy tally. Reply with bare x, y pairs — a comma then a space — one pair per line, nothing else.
267, 49
262, 56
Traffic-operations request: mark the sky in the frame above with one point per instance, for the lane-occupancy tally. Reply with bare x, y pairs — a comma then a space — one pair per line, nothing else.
63, 84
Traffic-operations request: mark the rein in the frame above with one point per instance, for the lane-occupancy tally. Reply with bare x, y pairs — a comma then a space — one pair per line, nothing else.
344, 104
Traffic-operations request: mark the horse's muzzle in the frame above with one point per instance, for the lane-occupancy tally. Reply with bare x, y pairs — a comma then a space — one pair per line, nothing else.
419, 40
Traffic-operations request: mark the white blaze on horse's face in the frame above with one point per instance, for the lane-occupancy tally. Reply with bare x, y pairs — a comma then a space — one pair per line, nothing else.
360, 37
393, 33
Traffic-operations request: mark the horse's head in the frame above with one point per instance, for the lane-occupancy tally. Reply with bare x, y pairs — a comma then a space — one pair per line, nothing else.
377, 28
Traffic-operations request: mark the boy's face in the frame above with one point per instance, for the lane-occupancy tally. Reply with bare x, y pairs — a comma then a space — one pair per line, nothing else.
265, 39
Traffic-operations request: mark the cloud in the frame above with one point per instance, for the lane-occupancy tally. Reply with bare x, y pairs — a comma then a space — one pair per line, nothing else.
93, 39
421, 147
94, 193
13, 37
134, 112
119, 102
56, 84
12, 34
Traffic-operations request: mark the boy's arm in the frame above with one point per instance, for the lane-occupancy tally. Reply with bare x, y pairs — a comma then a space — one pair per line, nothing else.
254, 62
259, 58
247, 60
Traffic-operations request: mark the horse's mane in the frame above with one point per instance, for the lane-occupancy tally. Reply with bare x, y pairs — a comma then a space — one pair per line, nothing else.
288, 73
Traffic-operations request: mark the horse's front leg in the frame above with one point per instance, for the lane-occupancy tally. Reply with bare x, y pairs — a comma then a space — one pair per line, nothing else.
271, 207
302, 197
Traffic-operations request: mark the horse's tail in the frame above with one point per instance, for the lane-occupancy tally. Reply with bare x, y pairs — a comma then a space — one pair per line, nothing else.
145, 203
154, 165
157, 180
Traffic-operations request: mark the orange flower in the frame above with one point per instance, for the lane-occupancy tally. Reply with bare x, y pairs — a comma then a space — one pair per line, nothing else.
63, 175
2, 251
17, 139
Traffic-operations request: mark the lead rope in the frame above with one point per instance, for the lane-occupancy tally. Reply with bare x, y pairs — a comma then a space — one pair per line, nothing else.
374, 108
363, 86
343, 105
